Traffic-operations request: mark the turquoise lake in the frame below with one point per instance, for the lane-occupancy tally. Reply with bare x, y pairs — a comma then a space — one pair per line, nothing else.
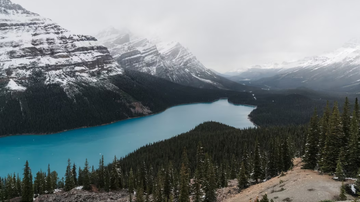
118, 139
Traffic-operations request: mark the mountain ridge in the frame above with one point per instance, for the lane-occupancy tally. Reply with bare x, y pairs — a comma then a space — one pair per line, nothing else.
168, 60
337, 70
52, 80
35, 49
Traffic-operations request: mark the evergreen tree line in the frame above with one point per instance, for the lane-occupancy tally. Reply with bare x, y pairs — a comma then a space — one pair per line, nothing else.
333, 141
48, 109
190, 165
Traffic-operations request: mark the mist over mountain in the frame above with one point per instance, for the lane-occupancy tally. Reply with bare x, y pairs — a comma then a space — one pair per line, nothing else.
167, 60
52, 79
338, 70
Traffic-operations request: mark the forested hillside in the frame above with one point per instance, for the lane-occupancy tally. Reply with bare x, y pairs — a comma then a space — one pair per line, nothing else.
192, 164
333, 141
47, 108
290, 107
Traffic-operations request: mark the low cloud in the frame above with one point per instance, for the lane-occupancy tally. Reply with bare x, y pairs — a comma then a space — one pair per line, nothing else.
224, 35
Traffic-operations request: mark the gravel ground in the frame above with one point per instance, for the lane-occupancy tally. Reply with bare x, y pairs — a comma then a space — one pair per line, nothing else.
297, 185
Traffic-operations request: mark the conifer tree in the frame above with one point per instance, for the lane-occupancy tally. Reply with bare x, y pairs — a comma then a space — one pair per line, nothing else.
49, 187
131, 183
18, 185
167, 184
312, 143
9, 188
272, 162
346, 122
69, 179
86, 176
339, 167
185, 161
184, 184
139, 194
332, 144
93, 176
39, 183
101, 172
200, 158
197, 187
245, 160
80, 177
342, 195
233, 168
324, 132
158, 194
74, 174
354, 147
287, 157
54, 179
280, 159
264, 162
257, 163
357, 109
27, 193
209, 182
223, 178
242, 178
107, 180
114, 176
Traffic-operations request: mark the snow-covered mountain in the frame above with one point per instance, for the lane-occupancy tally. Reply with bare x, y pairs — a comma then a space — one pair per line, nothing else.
53, 80
337, 70
35, 49
168, 60
254, 73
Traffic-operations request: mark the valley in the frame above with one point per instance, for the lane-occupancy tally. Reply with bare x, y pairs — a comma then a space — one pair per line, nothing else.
118, 139
133, 117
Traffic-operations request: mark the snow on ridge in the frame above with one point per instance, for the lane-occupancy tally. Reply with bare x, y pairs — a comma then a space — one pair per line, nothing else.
13, 86
204, 80
349, 53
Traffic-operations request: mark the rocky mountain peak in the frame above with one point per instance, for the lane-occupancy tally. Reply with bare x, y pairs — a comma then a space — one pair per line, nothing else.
168, 60
35, 49
7, 7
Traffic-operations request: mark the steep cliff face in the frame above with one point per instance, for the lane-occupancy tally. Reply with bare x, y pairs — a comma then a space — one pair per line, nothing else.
167, 60
33, 49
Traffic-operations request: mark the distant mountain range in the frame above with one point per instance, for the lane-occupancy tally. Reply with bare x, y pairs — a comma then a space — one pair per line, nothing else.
168, 60
53, 80
338, 70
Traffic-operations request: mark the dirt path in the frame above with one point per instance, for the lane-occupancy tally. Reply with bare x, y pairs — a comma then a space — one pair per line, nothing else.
297, 185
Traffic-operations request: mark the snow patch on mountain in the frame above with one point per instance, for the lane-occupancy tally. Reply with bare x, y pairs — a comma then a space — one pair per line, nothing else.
13, 86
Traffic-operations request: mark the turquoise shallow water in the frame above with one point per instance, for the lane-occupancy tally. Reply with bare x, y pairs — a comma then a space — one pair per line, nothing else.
118, 139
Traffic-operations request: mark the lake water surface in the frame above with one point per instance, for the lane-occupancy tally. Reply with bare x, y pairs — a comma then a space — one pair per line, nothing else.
118, 139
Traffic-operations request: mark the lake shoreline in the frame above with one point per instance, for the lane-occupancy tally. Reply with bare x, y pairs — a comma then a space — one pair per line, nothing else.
130, 118
118, 139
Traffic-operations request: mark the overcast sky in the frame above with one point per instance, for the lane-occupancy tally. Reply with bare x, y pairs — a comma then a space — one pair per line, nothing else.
223, 34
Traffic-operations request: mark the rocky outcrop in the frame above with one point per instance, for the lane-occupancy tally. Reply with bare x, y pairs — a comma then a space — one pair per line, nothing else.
84, 196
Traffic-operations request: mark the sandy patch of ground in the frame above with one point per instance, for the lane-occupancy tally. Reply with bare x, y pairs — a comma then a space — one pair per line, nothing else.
298, 185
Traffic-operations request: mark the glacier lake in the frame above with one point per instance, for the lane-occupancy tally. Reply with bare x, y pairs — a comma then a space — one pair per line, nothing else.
118, 139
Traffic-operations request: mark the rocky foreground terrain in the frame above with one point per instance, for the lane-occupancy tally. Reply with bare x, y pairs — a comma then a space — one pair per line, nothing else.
84, 196
297, 185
